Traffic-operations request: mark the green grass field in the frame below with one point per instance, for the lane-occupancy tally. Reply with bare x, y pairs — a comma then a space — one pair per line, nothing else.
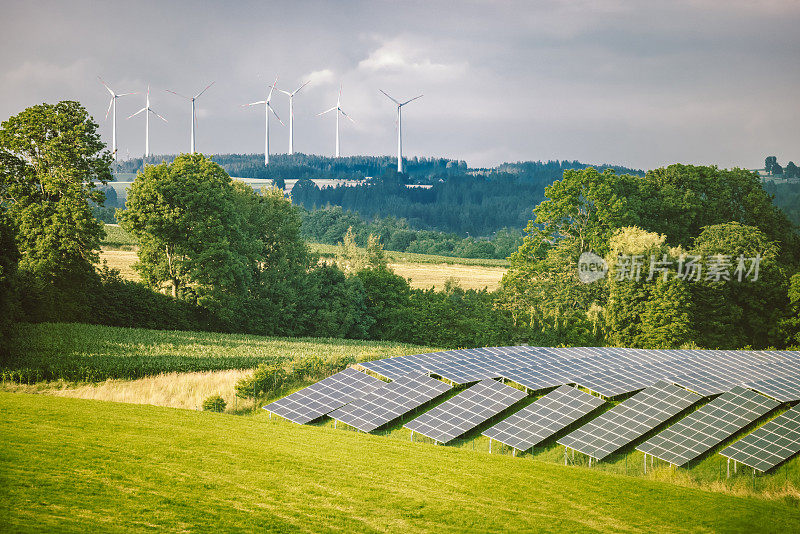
73, 465
118, 239
81, 352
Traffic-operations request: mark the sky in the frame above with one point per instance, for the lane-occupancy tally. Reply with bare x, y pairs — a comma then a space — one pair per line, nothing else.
641, 84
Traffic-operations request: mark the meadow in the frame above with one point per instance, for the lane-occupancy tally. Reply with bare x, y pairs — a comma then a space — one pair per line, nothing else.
423, 270
81, 352
77, 465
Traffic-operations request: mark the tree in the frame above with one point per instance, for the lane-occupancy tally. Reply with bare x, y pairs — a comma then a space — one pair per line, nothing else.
9, 257
791, 324
791, 170
769, 162
51, 158
190, 234
732, 313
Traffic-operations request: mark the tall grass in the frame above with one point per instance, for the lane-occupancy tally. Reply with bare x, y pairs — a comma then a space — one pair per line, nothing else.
91, 353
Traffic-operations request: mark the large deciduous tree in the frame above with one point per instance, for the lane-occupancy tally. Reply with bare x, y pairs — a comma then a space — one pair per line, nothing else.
190, 234
51, 159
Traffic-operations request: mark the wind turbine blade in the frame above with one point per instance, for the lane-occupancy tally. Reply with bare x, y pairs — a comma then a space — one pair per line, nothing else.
411, 100
272, 88
204, 90
327, 111
180, 95
285, 92
298, 89
111, 103
389, 97
132, 116
348, 116
159, 116
255, 103
276, 115
106, 85
126, 94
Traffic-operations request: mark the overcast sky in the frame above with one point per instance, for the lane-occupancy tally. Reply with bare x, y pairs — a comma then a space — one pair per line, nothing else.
641, 84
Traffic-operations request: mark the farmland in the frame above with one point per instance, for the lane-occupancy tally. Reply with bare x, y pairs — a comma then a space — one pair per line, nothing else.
424, 270
77, 465
80, 352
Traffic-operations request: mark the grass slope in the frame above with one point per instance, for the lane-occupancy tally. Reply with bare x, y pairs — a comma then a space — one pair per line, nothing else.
75, 466
73, 351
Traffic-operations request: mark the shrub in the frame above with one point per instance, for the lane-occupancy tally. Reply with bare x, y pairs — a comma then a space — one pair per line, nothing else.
214, 403
266, 379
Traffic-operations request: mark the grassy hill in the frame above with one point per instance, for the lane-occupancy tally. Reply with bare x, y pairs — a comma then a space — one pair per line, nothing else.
75, 465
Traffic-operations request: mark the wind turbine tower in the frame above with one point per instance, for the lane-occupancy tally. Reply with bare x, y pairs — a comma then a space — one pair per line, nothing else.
112, 108
147, 111
399, 127
338, 109
194, 114
291, 115
267, 109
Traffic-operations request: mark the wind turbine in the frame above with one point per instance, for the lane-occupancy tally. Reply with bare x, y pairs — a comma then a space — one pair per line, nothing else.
399, 127
338, 109
147, 111
194, 115
291, 115
112, 108
267, 109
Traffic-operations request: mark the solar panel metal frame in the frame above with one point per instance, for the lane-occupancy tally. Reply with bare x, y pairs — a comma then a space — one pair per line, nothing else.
390, 401
325, 396
544, 418
770, 445
467, 410
707, 427
630, 420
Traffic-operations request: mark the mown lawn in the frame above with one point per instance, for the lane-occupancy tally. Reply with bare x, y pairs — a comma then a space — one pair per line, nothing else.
76, 465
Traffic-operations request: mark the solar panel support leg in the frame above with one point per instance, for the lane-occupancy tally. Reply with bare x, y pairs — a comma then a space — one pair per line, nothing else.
645, 463
590, 461
412, 435
490, 445
334, 423
565, 455
729, 468
514, 452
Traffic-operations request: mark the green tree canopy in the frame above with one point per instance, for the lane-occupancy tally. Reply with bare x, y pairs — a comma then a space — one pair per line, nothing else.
51, 158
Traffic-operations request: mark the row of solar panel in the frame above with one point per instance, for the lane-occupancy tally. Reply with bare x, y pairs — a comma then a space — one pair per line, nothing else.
610, 371
368, 403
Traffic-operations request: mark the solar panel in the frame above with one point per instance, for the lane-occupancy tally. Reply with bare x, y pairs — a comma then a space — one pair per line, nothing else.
709, 426
389, 402
630, 420
325, 396
770, 445
466, 410
544, 418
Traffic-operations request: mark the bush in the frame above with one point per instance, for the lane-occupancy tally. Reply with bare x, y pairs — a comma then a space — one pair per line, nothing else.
214, 403
266, 379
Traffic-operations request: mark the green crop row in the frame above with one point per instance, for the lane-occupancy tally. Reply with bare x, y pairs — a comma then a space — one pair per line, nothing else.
81, 352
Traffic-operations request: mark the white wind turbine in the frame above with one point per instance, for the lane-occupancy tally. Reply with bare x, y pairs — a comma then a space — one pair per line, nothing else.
291, 114
267, 109
147, 111
399, 127
194, 114
112, 108
338, 109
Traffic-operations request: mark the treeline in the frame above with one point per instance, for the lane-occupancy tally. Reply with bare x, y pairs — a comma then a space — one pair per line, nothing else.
696, 256
305, 166
774, 168
329, 225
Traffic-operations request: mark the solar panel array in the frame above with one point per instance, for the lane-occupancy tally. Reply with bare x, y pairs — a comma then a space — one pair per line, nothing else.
704, 429
466, 410
770, 445
325, 396
544, 418
390, 401
630, 420
610, 371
